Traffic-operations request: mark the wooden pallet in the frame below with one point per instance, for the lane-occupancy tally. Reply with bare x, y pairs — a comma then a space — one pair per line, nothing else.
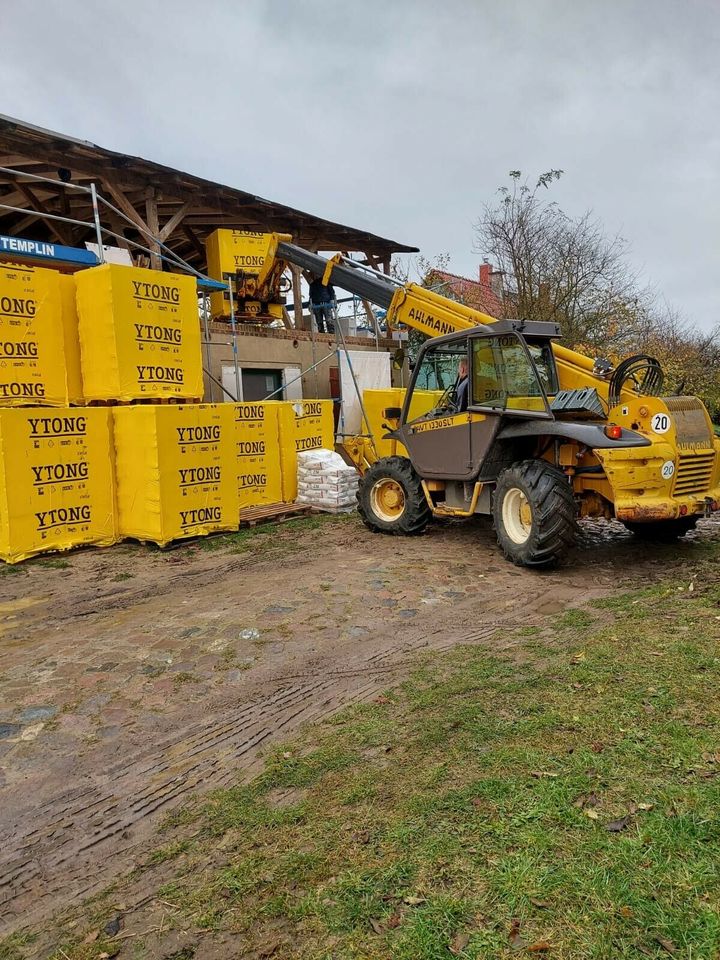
143, 401
273, 512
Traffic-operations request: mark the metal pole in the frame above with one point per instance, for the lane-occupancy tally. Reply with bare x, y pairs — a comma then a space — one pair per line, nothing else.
213, 380
300, 375
207, 343
234, 336
98, 228
56, 183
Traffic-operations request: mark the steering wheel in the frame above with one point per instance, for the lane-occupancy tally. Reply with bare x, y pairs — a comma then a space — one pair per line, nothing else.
446, 403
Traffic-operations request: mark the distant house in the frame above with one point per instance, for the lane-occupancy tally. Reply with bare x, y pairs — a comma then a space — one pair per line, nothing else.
485, 294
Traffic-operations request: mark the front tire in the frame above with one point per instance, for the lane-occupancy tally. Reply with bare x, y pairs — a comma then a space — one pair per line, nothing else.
534, 514
391, 499
663, 531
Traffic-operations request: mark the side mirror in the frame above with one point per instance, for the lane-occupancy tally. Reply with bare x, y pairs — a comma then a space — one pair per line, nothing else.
392, 413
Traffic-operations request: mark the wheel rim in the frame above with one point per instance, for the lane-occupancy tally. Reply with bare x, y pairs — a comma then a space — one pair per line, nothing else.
387, 499
517, 515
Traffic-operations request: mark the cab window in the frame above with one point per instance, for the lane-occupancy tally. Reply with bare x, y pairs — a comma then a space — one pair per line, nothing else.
504, 377
435, 387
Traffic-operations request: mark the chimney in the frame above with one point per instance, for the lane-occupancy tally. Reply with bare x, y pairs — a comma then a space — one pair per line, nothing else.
485, 273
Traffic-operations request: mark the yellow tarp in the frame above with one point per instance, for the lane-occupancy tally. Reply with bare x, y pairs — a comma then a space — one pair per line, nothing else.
258, 453
139, 334
56, 480
176, 470
33, 337
304, 425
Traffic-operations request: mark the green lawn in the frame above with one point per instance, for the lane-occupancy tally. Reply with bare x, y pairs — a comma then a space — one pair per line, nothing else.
561, 799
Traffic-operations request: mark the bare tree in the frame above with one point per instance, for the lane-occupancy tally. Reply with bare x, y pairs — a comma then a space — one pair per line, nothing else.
563, 269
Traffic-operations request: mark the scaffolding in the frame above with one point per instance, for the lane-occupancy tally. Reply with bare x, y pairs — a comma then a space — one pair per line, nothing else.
157, 248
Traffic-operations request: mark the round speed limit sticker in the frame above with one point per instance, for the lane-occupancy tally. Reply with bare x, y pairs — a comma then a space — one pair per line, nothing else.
667, 470
660, 423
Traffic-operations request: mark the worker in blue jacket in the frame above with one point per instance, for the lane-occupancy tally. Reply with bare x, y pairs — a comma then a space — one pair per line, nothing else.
324, 304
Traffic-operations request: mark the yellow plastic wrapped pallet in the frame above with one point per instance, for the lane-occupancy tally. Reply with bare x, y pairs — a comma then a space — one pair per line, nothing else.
304, 425
176, 470
229, 251
257, 439
139, 334
35, 332
56, 480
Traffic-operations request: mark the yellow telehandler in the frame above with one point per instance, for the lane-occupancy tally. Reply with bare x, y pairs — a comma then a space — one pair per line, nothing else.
500, 419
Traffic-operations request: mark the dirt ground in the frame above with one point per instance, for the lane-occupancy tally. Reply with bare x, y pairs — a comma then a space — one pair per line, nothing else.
130, 678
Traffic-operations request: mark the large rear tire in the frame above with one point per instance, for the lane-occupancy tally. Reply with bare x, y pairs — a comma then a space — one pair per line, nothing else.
663, 531
534, 514
391, 499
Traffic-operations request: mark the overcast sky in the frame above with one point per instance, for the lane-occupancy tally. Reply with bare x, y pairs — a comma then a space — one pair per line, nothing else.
403, 117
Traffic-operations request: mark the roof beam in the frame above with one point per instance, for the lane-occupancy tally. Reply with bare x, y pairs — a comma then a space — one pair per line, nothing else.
54, 226
174, 221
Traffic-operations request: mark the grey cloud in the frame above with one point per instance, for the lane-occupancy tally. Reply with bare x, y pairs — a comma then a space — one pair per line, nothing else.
403, 117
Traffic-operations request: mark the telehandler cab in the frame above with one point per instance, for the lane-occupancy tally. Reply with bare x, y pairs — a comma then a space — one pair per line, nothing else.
502, 454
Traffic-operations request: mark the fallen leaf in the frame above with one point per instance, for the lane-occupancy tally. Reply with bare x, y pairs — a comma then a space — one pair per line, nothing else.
587, 800
625, 912
579, 657
540, 904
381, 699
592, 814
393, 921
538, 774
597, 747
615, 826
414, 901
666, 944
287, 755
645, 806
691, 587
516, 941
460, 941
92, 936
376, 925
540, 946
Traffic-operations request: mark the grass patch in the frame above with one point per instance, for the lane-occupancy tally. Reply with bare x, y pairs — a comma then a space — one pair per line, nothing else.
562, 803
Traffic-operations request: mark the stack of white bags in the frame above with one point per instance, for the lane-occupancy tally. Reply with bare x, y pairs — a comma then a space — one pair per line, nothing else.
325, 481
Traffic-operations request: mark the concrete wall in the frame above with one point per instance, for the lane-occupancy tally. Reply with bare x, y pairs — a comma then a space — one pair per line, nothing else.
274, 348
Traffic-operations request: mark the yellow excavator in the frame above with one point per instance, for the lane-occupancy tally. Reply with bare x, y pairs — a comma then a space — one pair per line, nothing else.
501, 419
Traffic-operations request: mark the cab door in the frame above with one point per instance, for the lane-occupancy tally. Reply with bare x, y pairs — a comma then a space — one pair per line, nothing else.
445, 442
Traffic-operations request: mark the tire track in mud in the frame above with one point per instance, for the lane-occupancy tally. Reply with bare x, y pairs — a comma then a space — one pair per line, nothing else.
80, 835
